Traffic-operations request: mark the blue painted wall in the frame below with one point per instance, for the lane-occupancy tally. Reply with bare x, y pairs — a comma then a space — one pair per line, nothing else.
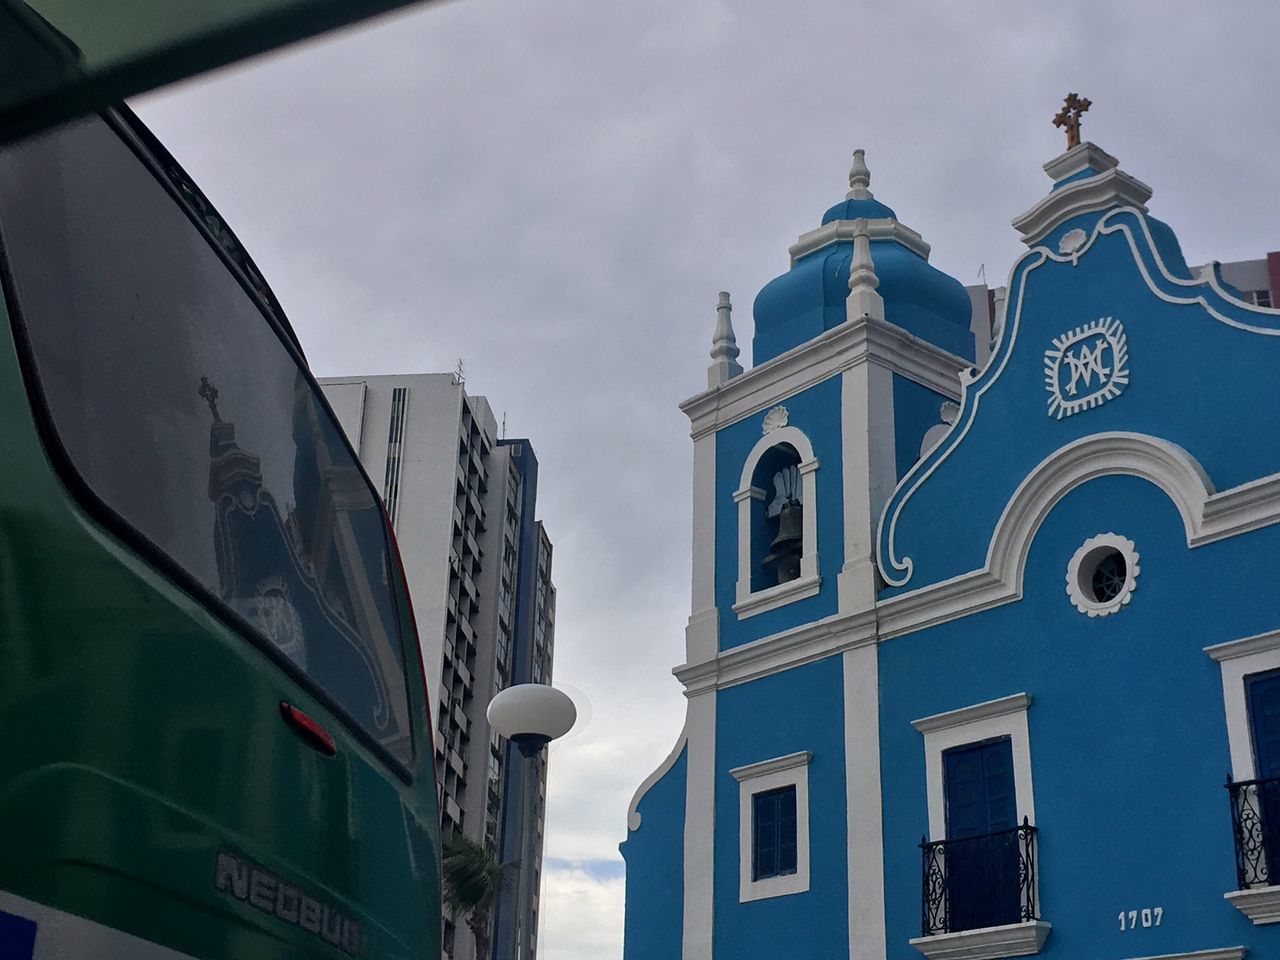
654, 919
816, 412
801, 709
915, 410
1128, 734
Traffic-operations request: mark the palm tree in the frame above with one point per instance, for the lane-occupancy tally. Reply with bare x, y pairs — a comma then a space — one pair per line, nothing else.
472, 881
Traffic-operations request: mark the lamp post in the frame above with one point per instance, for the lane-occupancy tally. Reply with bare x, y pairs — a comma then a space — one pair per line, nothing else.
530, 715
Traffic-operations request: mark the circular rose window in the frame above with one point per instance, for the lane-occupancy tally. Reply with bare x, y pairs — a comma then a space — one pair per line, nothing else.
1102, 575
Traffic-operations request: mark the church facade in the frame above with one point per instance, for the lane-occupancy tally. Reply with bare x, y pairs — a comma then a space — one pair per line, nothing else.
984, 657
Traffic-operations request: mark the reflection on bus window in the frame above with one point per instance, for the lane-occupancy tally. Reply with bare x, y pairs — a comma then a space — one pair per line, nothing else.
184, 413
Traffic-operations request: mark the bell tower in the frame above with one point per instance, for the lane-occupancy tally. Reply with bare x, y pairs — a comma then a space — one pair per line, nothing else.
857, 349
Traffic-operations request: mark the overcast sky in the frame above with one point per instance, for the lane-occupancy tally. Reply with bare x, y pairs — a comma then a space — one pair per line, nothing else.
555, 190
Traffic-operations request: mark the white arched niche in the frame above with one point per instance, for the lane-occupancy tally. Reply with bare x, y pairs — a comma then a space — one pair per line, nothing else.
751, 497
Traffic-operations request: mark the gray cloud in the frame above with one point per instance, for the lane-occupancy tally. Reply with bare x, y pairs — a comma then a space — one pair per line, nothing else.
555, 190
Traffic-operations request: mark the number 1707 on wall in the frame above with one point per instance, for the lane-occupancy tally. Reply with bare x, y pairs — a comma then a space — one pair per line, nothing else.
1146, 917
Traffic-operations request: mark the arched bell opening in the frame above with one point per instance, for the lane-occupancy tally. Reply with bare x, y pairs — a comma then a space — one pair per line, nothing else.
777, 518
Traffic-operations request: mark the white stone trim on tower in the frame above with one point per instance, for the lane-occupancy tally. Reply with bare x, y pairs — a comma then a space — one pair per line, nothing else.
700, 827
863, 803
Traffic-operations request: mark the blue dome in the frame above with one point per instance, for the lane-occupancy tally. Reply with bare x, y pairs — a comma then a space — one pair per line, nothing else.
810, 298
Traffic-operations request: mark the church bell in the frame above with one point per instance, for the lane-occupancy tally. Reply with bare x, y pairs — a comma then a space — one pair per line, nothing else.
788, 545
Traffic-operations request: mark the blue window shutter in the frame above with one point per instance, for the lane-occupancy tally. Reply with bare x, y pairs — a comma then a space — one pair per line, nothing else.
997, 768
1264, 722
787, 831
773, 833
979, 788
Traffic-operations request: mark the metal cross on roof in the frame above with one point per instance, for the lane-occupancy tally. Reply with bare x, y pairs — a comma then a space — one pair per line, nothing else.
209, 394
1069, 117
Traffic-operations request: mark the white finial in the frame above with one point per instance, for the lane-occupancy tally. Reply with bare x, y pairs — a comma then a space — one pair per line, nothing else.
724, 346
859, 177
863, 300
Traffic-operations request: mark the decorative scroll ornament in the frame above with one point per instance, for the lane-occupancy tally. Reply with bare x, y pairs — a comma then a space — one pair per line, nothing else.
775, 419
1086, 367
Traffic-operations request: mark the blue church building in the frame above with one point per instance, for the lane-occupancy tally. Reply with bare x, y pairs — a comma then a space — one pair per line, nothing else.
984, 651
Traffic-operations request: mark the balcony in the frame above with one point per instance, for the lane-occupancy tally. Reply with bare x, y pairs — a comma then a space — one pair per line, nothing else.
1255, 828
979, 897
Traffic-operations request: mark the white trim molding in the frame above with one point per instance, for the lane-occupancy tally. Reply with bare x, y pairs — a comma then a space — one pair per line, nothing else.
1110, 188
987, 943
1261, 905
1081, 157
842, 231
1242, 508
1005, 717
748, 602
841, 348
778, 595
864, 810
1240, 659
1207, 516
1220, 953
700, 828
791, 770
1084, 564
633, 809
782, 651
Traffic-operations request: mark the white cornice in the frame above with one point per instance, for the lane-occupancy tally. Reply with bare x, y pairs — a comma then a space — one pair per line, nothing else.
765, 767
839, 349
1261, 905
1083, 156
806, 644
979, 711
841, 231
986, 943
1109, 189
1233, 649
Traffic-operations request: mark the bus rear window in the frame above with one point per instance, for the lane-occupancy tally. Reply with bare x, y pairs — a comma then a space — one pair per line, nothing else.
184, 414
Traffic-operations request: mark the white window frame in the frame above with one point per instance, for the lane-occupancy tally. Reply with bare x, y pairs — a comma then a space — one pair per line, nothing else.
791, 770
1239, 659
750, 603
1005, 717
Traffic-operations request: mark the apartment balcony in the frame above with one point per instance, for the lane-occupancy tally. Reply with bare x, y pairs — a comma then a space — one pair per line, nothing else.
1255, 828
457, 763
979, 899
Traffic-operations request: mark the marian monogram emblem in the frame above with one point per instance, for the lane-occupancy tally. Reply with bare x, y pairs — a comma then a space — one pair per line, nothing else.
1086, 367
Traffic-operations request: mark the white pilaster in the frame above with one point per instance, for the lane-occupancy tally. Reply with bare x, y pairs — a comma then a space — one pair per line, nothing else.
743, 499
702, 633
809, 495
699, 827
863, 803
866, 400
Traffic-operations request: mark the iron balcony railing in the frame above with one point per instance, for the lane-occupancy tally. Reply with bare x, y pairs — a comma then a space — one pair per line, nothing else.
1255, 824
983, 881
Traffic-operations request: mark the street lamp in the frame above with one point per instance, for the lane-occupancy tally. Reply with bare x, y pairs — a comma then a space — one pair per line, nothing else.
530, 715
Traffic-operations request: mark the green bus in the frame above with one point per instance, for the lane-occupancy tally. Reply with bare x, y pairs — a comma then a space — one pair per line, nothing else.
214, 729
